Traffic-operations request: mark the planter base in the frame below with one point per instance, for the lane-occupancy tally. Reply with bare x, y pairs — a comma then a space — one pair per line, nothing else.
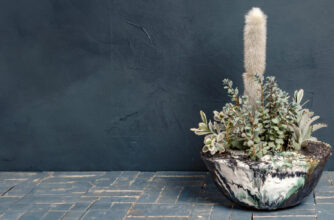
274, 182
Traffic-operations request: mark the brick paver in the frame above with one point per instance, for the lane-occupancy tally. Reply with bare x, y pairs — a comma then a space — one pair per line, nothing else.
139, 195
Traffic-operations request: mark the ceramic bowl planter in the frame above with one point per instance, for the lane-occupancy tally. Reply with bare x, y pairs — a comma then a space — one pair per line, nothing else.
260, 147
274, 182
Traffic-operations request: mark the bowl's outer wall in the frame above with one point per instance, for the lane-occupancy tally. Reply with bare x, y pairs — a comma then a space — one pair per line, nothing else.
293, 200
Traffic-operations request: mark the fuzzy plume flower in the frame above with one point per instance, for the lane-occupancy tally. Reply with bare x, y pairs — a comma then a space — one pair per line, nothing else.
255, 32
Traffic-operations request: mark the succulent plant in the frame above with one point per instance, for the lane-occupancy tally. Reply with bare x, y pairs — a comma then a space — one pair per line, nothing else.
214, 143
303, 127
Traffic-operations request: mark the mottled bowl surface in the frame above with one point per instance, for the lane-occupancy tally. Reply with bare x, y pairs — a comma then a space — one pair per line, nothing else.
274, 182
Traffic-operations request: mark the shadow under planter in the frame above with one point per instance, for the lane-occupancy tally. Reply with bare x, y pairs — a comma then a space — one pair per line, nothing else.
274, 182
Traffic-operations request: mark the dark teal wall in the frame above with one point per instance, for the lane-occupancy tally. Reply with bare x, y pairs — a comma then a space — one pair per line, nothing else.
116, 85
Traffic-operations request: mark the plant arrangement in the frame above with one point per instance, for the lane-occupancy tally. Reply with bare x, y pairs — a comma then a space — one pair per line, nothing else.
274, 124
265, 130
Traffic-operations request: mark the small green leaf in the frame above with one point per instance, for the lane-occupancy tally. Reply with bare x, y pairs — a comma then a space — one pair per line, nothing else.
203, 116
279, 141
205, 149
250, 143
275, 120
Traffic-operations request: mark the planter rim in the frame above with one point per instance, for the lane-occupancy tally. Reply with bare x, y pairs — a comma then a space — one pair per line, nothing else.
311, 150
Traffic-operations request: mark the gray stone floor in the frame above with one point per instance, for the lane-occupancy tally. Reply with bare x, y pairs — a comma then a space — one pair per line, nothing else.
138, 195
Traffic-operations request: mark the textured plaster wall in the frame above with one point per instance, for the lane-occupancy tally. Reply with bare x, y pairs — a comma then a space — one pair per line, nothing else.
116, 85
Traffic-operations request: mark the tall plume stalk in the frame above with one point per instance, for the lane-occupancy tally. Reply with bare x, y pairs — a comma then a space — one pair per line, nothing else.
255, 37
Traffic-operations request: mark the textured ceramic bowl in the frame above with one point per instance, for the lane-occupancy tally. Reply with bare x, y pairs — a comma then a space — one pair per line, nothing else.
274, 182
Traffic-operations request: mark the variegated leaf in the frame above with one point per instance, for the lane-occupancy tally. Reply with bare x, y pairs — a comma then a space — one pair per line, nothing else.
318, 126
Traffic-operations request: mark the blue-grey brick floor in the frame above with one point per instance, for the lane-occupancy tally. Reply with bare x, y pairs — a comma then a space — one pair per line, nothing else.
138, 195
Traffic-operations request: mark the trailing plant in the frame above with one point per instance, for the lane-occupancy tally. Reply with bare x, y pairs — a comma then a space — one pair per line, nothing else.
276, 124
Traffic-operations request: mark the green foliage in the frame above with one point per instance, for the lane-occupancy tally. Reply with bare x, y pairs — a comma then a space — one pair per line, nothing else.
303, 128
274, 125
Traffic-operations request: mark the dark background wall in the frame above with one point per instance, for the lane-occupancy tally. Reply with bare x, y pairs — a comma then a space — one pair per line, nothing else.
116, 85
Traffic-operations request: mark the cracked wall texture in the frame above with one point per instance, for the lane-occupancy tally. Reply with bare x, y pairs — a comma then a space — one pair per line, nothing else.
116, 85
